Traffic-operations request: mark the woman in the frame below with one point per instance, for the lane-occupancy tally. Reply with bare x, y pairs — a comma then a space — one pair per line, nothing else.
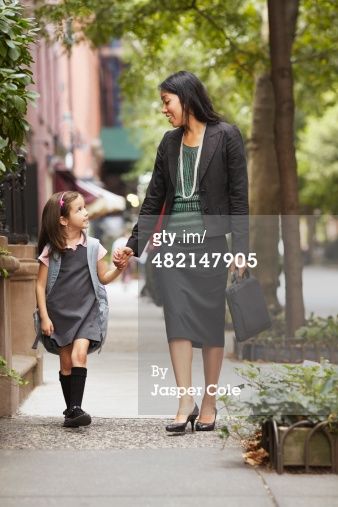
200, 181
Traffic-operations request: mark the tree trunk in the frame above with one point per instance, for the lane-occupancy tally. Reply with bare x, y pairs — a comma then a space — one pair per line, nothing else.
264, 175
264, 191
282, 80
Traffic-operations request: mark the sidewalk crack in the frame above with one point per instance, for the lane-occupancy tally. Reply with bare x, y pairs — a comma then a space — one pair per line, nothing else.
267, 488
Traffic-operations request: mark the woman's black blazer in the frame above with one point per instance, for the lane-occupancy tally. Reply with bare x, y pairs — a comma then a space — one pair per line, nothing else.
223, 187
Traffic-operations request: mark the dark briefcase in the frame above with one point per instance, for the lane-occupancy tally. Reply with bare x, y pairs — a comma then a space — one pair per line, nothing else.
247, 306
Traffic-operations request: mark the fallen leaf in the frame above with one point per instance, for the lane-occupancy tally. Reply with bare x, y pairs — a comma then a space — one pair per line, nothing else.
256, 457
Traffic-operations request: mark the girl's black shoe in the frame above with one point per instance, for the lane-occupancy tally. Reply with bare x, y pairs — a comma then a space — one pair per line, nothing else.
77, 417
206, 426
180, 427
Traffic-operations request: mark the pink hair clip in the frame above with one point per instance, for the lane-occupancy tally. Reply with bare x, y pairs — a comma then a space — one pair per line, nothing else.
61, 201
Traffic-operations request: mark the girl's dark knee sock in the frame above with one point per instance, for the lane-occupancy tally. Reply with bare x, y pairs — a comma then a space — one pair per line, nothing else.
65, 384
77, 385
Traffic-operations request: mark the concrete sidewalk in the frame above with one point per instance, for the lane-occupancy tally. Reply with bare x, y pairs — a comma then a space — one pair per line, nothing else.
152, 477
166, 477
125, 458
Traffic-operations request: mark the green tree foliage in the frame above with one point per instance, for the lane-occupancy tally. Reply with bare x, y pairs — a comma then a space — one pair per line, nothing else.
214, 39
221, 41
16, 35
225, 27
315, 56
318, 163
142, 105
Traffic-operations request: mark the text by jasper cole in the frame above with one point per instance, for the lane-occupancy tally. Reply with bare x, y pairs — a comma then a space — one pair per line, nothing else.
212, 390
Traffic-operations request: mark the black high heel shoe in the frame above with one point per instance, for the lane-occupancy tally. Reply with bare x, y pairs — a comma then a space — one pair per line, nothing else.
206, 426
180, 427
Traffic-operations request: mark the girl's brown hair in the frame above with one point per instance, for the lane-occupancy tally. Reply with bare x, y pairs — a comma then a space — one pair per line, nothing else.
52, 231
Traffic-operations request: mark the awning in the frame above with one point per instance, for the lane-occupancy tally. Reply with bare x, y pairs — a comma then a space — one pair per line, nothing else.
99, 201
65, 180
106, 202
118, 145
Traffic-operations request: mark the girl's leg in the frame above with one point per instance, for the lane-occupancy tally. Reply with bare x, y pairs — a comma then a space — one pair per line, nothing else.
181, 358
65, 371
79, 352
212, 362
66, 359
79, 371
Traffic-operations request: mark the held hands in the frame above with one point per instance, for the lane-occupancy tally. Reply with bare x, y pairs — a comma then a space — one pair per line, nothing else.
47, 327
241, 270
121, 257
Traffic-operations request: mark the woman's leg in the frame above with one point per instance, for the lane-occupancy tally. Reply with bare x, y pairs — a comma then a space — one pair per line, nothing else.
212, 362
181, 358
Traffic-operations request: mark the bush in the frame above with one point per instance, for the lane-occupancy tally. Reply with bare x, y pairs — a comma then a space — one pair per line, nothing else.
286, 393
321, 331
16, 35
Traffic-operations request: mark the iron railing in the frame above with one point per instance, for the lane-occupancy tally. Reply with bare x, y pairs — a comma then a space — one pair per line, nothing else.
13, 223
274, 443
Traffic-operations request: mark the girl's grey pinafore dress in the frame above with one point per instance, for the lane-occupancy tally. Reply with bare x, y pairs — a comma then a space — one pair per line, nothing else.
72, 305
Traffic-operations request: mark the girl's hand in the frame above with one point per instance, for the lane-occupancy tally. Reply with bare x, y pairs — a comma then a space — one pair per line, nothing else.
121, 256
106, 276
47, 327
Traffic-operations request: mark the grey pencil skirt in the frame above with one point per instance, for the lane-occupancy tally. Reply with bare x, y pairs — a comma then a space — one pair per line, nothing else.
193, 291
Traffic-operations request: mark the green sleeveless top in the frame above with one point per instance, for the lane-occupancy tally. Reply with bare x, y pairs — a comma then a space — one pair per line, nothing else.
186, 213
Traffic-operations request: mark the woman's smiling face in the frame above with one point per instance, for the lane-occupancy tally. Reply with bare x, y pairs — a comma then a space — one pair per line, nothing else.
172, 108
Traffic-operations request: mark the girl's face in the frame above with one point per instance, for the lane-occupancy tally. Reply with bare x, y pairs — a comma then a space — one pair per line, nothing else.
78, 215
172, 108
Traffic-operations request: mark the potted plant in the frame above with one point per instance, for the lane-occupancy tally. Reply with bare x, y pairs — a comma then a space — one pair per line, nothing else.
295, 408
317, 339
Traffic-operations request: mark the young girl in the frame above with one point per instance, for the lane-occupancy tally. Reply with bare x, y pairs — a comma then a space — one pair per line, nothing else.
67, 295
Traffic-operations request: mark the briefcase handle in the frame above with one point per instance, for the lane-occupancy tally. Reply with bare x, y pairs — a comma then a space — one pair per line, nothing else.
235, 278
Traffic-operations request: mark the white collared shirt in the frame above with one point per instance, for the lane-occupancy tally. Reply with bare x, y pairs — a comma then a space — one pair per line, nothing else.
44, 257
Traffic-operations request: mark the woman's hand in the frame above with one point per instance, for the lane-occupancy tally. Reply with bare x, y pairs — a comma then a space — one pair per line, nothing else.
121, 256
241, 270
47, 326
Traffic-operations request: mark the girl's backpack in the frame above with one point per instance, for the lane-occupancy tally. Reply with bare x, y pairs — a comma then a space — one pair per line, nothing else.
100, 293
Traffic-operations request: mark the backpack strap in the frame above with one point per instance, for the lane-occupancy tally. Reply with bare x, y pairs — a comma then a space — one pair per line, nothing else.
100, 290
92, 253
53, 270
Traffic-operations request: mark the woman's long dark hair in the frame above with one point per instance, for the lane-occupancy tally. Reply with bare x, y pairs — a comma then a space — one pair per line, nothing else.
52, 231
193, 97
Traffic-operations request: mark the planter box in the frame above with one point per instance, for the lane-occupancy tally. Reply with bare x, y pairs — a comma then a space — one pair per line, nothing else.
289, 352
294, 444
302, 444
